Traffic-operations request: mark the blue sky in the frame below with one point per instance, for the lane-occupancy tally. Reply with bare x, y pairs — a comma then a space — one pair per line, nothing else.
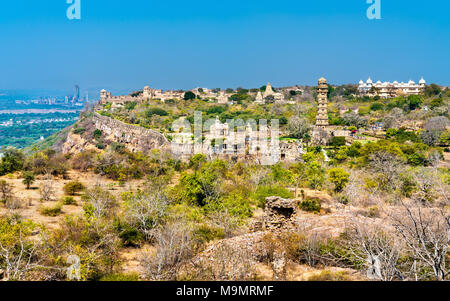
124, 45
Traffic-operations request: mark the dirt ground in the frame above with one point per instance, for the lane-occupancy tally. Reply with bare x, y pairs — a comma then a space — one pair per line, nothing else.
31, 199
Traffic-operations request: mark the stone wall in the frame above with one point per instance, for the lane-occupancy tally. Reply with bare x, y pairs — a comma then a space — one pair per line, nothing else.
135, 138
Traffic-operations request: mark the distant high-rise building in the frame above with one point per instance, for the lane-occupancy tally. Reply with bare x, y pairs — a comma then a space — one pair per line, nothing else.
76, 95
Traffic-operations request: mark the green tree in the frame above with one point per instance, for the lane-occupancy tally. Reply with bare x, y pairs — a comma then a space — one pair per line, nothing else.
189, 95
316, 175
28, 178
415, 101
339, 177
73, 187
12, 161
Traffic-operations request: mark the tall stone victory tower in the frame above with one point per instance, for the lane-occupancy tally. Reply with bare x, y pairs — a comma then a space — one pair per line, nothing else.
322, 98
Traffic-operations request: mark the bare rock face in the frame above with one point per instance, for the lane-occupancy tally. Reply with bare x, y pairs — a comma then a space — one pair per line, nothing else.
75, 144
279, 213
133, 137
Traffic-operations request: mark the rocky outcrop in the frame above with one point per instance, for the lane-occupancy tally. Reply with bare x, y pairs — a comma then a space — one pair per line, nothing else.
135, 138
75, 144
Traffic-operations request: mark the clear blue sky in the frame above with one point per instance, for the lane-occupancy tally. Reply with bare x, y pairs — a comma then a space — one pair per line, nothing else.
184, 44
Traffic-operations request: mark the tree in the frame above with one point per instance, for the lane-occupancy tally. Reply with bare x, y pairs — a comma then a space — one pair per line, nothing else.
99, 202
355, 120
380, 250
46, 189
28, 178
146, 211
432, 90
189, 95
12, 161
298, 127
394, 118
426, 234
415, 101
434, 128
173, 247
339, 177
387, 166
19, 254
315, 175
6, 193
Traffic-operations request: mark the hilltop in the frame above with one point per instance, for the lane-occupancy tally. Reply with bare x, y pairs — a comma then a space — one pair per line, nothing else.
110, 190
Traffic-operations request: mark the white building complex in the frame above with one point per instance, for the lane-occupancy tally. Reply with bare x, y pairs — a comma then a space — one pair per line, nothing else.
389, 90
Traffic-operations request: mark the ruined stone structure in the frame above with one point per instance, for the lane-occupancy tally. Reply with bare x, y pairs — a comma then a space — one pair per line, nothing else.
279, 213
135, 138
236, 142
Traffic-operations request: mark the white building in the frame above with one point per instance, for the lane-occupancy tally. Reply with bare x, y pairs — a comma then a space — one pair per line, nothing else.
389, 90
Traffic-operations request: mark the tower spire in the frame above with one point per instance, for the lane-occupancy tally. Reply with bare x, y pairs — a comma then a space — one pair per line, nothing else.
322, 99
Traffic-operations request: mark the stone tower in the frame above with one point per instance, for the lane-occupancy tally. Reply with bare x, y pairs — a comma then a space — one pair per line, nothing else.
147, 93
322, 99
103, 96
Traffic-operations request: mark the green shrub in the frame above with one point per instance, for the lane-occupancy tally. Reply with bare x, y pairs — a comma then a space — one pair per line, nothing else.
155, 111
51, 210
376, 106
121, 277
337, 141
205, 233
311, 205
130, 236
79, 131
97, 134
72, 187
68, 200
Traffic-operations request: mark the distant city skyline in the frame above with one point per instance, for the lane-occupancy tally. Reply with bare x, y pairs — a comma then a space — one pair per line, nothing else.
186, 44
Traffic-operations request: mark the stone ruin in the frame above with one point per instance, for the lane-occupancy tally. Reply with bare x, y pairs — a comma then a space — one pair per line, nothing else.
279, 213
